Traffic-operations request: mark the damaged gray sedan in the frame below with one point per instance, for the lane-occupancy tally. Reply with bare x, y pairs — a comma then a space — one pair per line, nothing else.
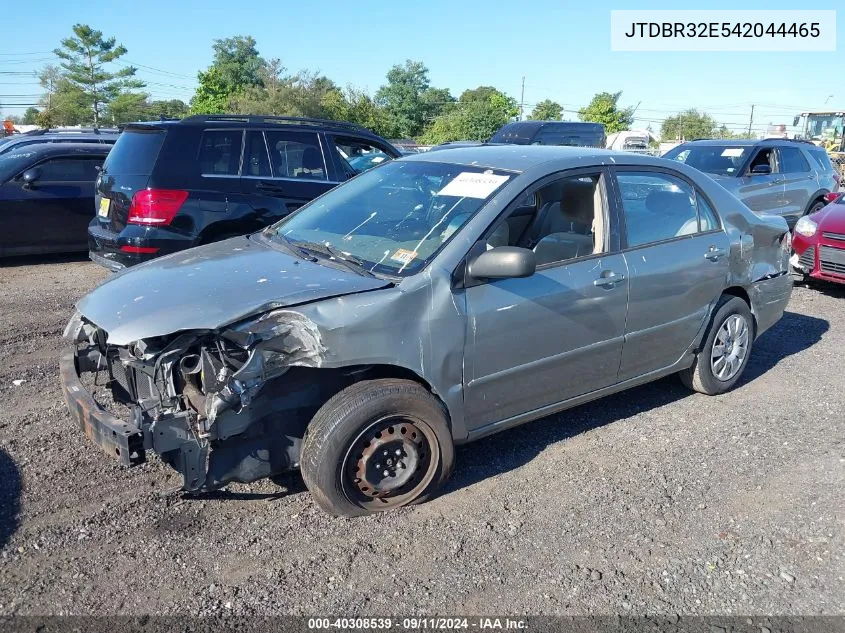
426, 303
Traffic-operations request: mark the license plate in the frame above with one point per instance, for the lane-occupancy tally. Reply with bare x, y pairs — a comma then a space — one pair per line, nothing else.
103, 211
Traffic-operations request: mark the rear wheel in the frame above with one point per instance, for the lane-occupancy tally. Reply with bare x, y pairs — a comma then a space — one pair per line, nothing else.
375, 446
725, 351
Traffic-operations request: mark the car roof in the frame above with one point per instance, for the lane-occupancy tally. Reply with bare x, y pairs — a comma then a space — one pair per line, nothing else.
519, 158
746, 142
249, 120
65, 148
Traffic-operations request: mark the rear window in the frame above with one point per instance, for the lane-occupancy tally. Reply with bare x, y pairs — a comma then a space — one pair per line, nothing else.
821, 157
134, 153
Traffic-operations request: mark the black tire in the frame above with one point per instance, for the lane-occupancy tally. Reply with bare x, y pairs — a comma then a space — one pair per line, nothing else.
701, 376
363, 426
818, 205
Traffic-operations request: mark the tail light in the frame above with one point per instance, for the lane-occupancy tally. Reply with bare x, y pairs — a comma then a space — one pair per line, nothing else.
833, 196
156, 207
139, 250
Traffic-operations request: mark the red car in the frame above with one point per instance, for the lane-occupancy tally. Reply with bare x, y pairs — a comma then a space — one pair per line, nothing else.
818, 242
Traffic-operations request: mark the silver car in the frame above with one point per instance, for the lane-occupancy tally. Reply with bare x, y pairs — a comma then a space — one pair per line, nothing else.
428, 302
777, 176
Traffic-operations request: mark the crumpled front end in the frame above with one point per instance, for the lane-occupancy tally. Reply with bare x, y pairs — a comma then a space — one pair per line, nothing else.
207, 402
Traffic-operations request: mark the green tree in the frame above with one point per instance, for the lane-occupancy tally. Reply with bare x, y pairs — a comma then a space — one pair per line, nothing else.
212, 95
238, 63
63, 102
436, 101
604, 109
547, 110
688, 124
482, 93
402, 99
127, 107
169, 109
29, 116
356, 106
86, 57
476, 117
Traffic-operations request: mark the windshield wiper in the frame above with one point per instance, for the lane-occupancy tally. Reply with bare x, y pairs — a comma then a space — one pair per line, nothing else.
350, 261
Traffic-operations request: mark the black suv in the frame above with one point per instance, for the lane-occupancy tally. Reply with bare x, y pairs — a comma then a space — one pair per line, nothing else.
170, 185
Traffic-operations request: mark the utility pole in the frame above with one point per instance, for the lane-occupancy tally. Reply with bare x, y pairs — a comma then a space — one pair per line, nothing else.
751, 120
522, 99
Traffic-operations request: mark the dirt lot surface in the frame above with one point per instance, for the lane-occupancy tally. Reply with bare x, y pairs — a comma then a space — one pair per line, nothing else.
653, 501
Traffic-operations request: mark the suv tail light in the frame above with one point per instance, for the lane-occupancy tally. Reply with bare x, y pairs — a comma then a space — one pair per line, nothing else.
156, 207
832, 197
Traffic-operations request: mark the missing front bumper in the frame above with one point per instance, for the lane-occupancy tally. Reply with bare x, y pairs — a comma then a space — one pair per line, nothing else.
115, 437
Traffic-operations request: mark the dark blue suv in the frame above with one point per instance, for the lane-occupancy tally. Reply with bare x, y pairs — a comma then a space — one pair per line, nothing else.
170, 185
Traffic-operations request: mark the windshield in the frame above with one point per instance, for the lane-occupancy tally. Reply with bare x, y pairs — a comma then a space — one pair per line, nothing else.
12, 162
824, 127
722, 160
394, 219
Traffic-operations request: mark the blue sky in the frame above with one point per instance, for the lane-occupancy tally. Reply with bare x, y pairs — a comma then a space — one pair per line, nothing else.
562, 49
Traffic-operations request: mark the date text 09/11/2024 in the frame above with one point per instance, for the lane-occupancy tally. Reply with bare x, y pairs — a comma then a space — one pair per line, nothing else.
418, 623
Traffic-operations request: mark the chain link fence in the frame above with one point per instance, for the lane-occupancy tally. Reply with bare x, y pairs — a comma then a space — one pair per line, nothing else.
839, 163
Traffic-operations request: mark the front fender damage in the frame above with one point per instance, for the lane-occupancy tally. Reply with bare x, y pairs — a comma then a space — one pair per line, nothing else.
209, 402
277, 342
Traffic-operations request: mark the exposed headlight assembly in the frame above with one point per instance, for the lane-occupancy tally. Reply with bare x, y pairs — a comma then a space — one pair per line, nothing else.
806, 227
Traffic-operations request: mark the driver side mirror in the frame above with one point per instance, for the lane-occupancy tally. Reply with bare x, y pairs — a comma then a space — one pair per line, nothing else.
503, 262
759, 170
30, 176
795, 121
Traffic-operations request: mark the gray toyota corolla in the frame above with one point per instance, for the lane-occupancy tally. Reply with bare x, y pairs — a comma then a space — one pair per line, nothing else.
426, 303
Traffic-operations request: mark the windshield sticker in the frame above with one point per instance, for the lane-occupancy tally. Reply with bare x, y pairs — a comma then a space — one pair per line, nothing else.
404, 256
733, 152
470, 185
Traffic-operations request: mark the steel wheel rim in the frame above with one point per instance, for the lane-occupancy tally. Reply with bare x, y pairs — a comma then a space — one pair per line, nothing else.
730, 348
390, 462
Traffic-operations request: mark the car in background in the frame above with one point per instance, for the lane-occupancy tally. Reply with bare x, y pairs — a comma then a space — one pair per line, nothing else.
775, 176
170, 185
818, 242
569, 133
429, 302
566, 133
105, 136
47, 197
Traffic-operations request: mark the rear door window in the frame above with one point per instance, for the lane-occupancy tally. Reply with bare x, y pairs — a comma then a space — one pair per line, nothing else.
793, 161
134, 153
220, 152
296, 155
657, 207
256, 158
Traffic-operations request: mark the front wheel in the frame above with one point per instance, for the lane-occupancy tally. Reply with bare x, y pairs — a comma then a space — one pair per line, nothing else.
725, 351
818, 205
375, 446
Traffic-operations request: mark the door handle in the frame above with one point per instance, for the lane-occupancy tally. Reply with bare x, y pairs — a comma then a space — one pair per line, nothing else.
714, 254
269, 188
609, 280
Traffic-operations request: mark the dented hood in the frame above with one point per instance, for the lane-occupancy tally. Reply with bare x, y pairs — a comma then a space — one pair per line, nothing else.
211, 286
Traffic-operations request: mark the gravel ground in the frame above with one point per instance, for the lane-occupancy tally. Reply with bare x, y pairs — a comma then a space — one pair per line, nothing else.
653, 501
